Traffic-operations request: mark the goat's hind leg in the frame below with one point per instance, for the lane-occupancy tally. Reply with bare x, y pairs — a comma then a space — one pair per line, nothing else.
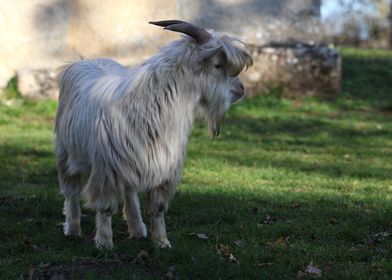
137, 229
72, 215
70, 187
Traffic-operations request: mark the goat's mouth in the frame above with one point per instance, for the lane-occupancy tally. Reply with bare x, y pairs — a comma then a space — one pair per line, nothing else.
237, 96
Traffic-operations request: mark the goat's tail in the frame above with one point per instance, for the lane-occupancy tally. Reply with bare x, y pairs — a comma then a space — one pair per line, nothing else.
66, 87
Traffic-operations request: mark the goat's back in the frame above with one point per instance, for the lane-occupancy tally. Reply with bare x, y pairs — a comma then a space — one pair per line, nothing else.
86, 86
89, 83
78, 77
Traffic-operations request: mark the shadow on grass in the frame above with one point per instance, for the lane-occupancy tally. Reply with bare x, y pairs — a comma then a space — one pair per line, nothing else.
365, 76
324, 229
27, 163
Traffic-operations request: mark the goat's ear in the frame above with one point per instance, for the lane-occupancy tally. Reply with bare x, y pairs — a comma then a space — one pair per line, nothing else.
206, 55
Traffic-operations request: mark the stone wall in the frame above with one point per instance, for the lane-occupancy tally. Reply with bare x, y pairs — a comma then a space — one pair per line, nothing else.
298, 68
38, 36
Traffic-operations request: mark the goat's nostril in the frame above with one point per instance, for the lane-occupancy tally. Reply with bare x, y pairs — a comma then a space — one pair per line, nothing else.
242, 86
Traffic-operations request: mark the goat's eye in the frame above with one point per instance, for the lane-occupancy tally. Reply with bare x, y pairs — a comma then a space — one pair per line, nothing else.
218, 66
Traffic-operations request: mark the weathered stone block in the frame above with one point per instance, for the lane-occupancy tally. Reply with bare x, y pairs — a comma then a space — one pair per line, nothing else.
301, 69
38, 84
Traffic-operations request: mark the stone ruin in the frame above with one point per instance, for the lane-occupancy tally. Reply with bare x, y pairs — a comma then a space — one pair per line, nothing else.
298, 68
283, 36
38, 84
285, 39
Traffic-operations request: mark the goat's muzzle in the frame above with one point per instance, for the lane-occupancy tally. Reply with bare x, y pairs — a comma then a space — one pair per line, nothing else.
237, 92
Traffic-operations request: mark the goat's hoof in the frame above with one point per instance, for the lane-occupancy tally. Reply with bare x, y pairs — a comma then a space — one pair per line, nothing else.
104, 244
139, 232
162, 243
72, 230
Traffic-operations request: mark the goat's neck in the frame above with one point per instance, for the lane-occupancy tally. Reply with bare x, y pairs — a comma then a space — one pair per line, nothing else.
176, 93
182, 109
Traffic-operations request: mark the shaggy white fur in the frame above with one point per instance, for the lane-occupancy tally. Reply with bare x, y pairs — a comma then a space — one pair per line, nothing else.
120, 131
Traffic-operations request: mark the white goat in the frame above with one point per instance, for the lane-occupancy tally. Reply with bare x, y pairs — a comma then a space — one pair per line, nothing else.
120, 131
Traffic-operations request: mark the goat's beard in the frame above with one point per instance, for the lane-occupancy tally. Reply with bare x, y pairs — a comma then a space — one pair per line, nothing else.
213, 119
214, 125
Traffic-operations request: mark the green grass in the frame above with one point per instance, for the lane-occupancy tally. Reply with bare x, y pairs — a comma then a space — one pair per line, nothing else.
289, 182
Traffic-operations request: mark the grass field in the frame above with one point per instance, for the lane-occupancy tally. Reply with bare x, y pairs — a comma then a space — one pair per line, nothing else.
292, 188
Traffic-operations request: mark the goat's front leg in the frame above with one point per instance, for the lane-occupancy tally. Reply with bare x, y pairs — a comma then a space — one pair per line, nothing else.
137, 229
104, 235
159, 198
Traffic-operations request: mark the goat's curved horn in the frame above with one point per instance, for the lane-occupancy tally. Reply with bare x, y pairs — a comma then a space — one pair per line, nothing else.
200, 35
165, 23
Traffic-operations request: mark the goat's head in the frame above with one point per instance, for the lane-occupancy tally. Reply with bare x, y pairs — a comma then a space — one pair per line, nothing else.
216, 61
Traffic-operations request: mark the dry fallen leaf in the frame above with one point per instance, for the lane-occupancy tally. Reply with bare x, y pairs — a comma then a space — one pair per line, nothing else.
382, 235
43, 265
266, 264
281, 241
313, 270
232, 258
300, 274
143, 257
295, 205
378, 238
224, 250
169, 275
203, 236
268, 220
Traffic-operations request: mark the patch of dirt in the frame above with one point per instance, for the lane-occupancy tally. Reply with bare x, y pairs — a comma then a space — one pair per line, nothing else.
82, 268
